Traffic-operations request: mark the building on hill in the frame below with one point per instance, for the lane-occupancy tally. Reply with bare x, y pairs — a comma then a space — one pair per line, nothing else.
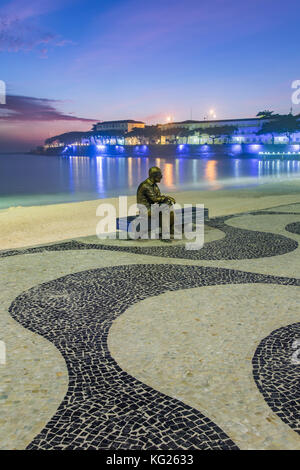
125, 125
221, 131
68, 138
259, 130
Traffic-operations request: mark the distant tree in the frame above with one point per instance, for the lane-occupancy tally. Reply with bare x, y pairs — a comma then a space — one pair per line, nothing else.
283, 125
109, 134
152, 133
265, 114
185, 132
217, 132
173, 131
288, 125
145, 134
228, 131
269, 128
69, 138
136, 132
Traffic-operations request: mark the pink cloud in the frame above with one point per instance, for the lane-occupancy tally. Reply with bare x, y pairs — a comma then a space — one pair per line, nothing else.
26, 122
25, 108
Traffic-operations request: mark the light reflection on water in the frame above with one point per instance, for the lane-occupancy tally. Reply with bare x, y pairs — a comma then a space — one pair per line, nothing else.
32, 180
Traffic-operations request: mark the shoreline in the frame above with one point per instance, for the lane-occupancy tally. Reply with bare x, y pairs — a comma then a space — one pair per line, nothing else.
246, 149
27, 226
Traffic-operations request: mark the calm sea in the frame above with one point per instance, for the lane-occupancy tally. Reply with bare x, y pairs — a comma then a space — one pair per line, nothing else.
37, 180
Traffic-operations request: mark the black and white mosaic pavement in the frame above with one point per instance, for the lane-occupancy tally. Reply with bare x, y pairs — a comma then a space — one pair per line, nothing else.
277, 375
236, 245
293, 228
105, 408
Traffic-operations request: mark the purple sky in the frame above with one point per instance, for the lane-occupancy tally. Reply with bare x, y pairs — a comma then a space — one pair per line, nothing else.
68, 63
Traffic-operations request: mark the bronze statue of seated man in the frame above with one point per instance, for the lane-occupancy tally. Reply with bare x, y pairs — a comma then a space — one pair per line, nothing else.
148, 194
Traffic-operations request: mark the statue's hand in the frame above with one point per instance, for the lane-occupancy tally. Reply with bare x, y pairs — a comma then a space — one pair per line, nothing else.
171, 200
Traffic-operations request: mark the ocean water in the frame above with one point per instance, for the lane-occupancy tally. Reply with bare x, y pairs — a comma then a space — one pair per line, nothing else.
27, 180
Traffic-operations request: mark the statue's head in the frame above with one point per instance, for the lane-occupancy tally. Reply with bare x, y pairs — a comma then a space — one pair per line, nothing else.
155, 174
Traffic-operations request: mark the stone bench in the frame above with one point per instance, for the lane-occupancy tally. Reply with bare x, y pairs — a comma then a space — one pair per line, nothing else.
124, 222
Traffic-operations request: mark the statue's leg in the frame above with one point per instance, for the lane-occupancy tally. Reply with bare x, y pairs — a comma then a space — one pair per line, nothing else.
171, 223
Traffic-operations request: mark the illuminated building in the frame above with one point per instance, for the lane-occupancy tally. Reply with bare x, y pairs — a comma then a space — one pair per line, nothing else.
246, 132
125, 125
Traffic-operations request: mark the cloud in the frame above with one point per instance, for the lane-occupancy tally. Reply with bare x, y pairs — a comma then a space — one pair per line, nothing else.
19, 36
135, 31
26, 108
25, 9
18, 32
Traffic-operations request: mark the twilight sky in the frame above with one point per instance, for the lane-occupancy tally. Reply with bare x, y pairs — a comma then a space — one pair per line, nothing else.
69, 63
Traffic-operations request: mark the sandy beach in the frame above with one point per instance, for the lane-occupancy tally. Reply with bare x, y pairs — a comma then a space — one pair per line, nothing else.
35, 225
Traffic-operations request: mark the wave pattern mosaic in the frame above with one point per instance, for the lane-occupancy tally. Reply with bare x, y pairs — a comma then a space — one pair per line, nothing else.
237, 244
276, 370
105, 407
